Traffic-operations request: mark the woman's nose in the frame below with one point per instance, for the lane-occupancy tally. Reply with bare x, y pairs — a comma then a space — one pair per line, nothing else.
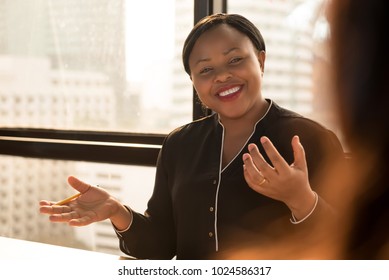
222, 75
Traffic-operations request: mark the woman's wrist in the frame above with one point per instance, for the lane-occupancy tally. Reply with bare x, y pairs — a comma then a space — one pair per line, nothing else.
295, 221
305, 207
122, 218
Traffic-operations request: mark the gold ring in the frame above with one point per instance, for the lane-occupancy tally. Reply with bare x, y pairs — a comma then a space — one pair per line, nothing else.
262, 182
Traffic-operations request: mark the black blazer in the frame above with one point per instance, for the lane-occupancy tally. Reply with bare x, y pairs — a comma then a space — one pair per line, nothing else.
198, 210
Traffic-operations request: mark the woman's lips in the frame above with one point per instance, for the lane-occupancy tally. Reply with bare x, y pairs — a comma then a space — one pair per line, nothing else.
229, 93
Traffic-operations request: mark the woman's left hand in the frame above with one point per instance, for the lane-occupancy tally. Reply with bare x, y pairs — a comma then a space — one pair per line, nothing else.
283, 182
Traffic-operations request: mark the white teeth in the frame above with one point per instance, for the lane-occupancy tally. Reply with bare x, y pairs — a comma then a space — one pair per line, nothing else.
229, 91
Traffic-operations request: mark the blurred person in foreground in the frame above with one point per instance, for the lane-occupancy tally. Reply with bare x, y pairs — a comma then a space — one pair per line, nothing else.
359, 187
359, 31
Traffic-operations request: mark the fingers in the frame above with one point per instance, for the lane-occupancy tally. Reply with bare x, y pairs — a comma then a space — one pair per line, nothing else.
78, 184
250, 171
69, 213
53, 209
276, 159
45, 203
258, 160
299, 154
256, 163
58, 214
256, 168
63, 217
64, 214
75, 183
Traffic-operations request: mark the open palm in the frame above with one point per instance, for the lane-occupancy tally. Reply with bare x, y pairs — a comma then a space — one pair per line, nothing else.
94, 204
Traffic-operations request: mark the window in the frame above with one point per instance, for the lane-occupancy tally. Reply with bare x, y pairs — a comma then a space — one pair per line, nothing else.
101, 65
25, 181
88, 88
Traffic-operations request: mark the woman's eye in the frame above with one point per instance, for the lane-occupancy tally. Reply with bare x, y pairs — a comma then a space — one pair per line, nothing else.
205, 70
235, 60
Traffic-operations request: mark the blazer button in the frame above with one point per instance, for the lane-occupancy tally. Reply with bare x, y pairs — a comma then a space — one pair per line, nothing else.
210, 234
214, 182
211, 209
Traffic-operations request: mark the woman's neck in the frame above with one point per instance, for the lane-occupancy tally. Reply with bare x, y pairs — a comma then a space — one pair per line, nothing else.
238, 130
246, 122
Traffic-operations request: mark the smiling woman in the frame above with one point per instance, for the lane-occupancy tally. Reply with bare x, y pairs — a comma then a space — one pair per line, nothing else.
213, 174
226, 71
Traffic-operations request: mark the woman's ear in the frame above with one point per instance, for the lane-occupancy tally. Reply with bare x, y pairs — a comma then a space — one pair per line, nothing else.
261, 55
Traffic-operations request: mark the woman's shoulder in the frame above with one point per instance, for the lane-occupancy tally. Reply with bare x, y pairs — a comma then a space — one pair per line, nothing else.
283, 117
284, 123
194, 129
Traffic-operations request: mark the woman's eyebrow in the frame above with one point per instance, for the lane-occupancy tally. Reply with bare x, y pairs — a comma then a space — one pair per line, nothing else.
226, 52
202, 60
230, 50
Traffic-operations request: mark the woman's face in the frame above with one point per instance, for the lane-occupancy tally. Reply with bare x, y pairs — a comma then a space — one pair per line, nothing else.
226, 71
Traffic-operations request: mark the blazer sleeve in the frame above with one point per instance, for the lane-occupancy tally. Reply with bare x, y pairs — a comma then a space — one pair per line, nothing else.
152, 234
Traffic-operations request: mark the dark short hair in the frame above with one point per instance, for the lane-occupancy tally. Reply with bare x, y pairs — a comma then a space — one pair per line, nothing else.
236, 21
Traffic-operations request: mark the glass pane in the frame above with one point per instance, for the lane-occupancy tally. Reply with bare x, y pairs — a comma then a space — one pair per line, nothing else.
24, 182
94, 64
295, 34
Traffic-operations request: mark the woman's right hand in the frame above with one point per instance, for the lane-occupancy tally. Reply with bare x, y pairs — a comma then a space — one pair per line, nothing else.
283, 182
95, 204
